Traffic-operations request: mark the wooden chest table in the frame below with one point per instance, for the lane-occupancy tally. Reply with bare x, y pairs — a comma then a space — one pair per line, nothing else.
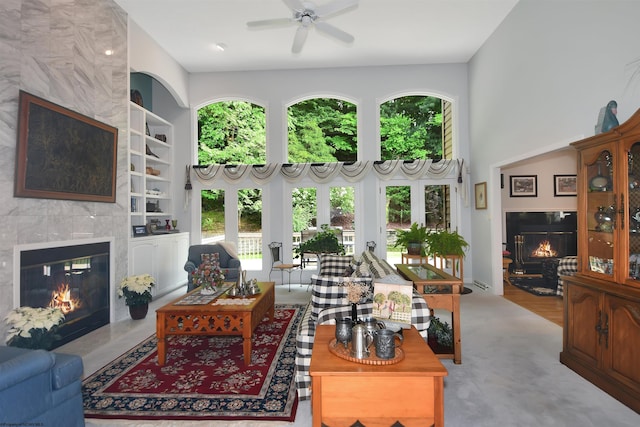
410, 391
176, 318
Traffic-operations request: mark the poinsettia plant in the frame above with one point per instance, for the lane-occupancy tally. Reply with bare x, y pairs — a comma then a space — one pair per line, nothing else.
136, 290
33, 328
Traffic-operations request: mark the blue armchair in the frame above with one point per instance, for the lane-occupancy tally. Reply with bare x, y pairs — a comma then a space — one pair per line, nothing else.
39, 387
229, 262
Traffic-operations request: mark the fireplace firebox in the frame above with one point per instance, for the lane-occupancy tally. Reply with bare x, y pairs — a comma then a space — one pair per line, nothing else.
75, 279
533, 238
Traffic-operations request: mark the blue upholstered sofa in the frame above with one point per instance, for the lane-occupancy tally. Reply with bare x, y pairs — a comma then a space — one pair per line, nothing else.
39, 387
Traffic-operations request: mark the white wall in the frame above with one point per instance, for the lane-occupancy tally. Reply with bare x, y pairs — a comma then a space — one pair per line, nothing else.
146, 56
537, 84
544, 166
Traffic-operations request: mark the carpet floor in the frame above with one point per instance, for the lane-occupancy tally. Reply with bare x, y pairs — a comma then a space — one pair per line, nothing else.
535, 285
204, 378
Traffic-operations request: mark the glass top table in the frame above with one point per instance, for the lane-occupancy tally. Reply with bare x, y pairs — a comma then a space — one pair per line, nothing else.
441, 291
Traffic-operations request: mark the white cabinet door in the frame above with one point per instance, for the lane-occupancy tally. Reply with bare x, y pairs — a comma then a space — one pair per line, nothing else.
161, 256
142, 257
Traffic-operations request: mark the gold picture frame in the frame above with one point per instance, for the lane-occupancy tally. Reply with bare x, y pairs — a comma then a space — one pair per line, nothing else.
481, 195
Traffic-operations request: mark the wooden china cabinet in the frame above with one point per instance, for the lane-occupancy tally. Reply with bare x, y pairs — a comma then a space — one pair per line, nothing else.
601, 339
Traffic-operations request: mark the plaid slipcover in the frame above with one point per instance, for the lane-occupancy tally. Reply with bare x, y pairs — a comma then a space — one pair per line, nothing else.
420, 317
568, 266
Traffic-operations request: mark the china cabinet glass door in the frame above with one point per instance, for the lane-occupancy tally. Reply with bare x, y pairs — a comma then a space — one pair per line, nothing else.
633, 221
601, 214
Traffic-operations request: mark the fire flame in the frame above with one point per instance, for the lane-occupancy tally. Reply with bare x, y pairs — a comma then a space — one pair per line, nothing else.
61, 298
544, 250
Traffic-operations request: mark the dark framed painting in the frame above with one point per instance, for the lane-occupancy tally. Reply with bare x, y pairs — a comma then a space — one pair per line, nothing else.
524, 186
62, 154
565, 185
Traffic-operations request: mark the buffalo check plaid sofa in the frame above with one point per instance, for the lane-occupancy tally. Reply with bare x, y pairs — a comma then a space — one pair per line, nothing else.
328, 302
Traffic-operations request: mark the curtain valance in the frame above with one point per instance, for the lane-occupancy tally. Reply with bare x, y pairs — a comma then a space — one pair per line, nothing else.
325, 172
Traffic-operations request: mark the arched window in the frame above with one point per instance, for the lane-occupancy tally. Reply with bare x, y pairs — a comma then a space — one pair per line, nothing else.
412, 127
322, 130
231, 132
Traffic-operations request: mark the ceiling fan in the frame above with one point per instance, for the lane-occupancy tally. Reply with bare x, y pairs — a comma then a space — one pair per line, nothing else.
305, 15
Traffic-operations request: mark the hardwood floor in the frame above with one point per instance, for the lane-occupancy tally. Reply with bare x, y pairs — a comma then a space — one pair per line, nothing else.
548, 307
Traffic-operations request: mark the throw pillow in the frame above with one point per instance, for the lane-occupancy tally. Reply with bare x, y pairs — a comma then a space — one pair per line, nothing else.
361, 270
327, 291
334, 265
378, 267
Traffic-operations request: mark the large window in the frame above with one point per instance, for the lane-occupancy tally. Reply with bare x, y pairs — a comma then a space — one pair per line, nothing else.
231, 132
322, 130
411, 128
415, 127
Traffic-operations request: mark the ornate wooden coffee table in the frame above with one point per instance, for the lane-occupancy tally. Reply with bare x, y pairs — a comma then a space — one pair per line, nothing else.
180, 317
410, 392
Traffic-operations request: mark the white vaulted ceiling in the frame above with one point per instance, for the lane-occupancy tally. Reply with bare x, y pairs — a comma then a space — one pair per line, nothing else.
387, 32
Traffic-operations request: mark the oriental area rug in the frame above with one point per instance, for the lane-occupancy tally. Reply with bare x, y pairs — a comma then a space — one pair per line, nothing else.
205, 377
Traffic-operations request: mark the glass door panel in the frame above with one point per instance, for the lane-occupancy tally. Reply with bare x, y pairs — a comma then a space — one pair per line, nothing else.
601, 214
250, 228
633, 225
305, 219
342, 201
397, 216
212, 224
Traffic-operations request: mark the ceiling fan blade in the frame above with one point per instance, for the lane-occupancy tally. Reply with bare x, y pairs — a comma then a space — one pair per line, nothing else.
334, 31
270, 23
294, 5
299, 39
335, 7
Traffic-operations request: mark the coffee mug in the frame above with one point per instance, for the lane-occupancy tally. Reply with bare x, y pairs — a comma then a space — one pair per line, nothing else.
343, 330
385, 343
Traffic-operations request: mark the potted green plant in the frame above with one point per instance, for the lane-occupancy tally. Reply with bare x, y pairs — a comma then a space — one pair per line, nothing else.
445, 242
439, 335
325, 241
412, 239
136, 291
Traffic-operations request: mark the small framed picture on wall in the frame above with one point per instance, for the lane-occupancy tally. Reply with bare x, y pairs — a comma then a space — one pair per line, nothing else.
524, 186
565, 185
481, 195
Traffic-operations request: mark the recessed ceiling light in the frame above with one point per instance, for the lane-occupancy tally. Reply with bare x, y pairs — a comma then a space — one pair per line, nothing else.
221, 47
108, 52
